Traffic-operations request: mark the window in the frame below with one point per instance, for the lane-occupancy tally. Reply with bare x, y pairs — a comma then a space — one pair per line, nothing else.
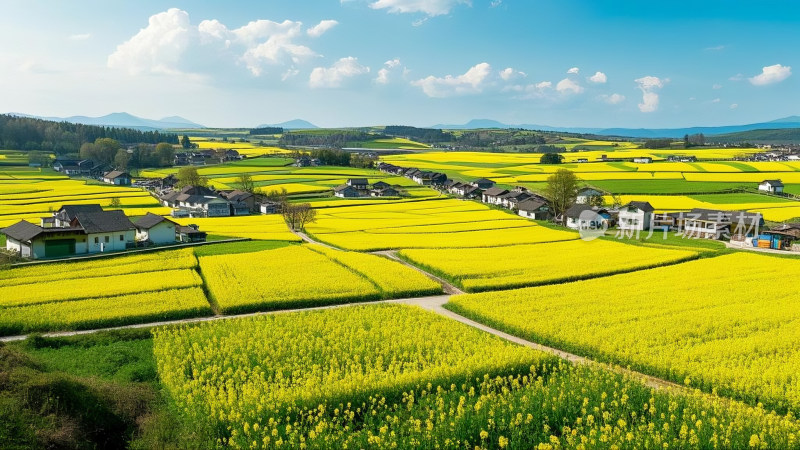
121, 237
107, 239
96, 240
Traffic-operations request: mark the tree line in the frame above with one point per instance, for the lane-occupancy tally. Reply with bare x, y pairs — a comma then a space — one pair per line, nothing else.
25, 133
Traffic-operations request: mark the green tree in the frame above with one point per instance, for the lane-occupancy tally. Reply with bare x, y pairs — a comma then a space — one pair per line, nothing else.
188, 176
561, 190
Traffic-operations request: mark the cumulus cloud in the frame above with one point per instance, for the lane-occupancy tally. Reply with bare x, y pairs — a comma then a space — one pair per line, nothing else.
648, 85
165, 44
771, 74
567, 86
384, 74
80, 37
598, 77
613, 99
337, 74
156, 48
509, 73
574, 70
471, 82
320, 28
430, 7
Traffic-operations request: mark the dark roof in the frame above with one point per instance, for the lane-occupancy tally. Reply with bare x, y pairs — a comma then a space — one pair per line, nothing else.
644, 206
72, 210
576, 210
104, 222
116, 174
773, 182
150, 220
22, 231
495, 191
531, 204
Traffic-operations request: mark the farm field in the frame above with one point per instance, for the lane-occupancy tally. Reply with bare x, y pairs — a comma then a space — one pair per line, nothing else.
701, 323
393, 383
273, 279
481, 269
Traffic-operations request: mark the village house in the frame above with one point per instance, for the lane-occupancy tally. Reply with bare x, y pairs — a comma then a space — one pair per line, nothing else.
361, 184
586, 194
89, 231
771, 186
493, 196
154, 229
534, 208
585, 217
483, 183
117, 178
635, 216
346, 191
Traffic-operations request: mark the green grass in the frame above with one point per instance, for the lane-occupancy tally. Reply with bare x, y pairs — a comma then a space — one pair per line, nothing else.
239, 247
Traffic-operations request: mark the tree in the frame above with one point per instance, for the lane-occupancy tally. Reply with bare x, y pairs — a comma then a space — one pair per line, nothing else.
245, 183
188, 176
298, 215
561, 191
185, 142
551, 158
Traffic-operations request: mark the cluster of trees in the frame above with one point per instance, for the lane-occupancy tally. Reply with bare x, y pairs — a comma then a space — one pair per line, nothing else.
426, 135
657, 143
330, 139
24, 133
266, 130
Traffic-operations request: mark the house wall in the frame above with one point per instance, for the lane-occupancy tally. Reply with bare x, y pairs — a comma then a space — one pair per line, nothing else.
114, 243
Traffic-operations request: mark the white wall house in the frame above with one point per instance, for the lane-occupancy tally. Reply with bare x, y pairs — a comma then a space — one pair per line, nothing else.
636, 216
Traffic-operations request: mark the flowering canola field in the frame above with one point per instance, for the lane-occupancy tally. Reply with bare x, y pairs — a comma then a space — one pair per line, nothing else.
392, 376
719, 324
480, 269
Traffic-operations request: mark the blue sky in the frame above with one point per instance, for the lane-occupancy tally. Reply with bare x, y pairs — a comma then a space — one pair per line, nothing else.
416, 62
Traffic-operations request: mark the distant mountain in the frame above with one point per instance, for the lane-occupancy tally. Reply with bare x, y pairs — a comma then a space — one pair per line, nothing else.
296, 124
782, 123
123, 119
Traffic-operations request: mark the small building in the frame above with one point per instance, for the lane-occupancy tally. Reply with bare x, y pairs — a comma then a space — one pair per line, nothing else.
493, 196
385, 192
191, 233
586, 194
361, 184
643, 160
155, 229
346, 191
771, 186
636, 216
117, 178
534, 208
585, 217
483, 183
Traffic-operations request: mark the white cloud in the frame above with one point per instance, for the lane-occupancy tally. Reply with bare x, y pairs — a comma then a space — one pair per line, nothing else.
429, 7
509, 73
384, 74
613, 99
568, 86
337, 74
716, 86
650, 99
598, 77
734, 105
574, 70
771, 74
80, 37
170, 44
471, 82
156, 48
320, 28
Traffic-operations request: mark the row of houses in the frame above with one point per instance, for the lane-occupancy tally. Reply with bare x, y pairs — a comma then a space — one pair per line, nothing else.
87, 229
361, 187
